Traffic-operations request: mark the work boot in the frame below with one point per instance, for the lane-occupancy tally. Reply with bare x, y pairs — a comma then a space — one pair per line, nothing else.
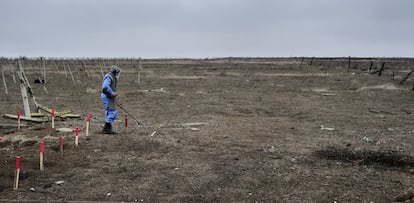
110, 130
107, 129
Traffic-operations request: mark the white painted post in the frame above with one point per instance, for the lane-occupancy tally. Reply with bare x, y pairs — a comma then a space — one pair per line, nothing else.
23, 90
44, 70
4, 80
17, 174
41, 151
64, 67
71, 74
53, 118
88, 120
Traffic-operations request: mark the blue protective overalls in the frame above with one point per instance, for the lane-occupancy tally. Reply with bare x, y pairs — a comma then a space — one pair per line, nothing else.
108, 88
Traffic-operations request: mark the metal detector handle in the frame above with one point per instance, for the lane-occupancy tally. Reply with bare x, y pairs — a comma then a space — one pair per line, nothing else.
123, 109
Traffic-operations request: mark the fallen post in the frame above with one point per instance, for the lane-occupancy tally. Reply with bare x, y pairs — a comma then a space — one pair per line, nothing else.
63, 114
38, 120
406, 77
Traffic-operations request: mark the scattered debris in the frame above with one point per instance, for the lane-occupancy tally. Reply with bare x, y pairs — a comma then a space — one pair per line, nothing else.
325, 128
185, 125
380, 111
161, 90
59, 182
153, 133
64, 130
328, 94
272, 149
32, 189
367, 139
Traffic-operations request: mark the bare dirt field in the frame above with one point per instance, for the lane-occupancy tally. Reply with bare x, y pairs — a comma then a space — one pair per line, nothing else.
217, 130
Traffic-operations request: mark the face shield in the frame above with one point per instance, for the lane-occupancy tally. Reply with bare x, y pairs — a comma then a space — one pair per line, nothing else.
116, 71
117, 74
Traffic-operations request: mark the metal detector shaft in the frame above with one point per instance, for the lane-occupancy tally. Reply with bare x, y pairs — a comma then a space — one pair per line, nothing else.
123, 109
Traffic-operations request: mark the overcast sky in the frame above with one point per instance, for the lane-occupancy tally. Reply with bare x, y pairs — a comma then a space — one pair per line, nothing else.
206, 28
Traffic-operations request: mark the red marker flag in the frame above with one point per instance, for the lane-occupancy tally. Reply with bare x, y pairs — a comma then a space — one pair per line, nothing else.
88, 117
18, 162
126, 120
77, 131
42, 147
18, 115
53, 113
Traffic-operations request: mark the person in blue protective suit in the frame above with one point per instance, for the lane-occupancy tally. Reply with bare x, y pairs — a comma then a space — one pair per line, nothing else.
108, 95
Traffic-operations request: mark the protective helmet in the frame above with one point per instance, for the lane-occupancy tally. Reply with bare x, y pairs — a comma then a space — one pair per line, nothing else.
115, 70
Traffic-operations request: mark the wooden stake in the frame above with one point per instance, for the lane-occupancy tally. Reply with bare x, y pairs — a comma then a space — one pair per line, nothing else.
310, 64
101, 69
382, 69
17, 174
77, 136
53, 118
14, 77
41, 151
66, 72
44, 70
406, 77
61, 146
4, 80
84, 68
126, 121
24, 87
56, 67
139, 70
18, 120
71, 74
301, 62
88, 120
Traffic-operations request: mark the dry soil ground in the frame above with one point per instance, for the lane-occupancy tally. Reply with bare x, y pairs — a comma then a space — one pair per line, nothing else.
227, 130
